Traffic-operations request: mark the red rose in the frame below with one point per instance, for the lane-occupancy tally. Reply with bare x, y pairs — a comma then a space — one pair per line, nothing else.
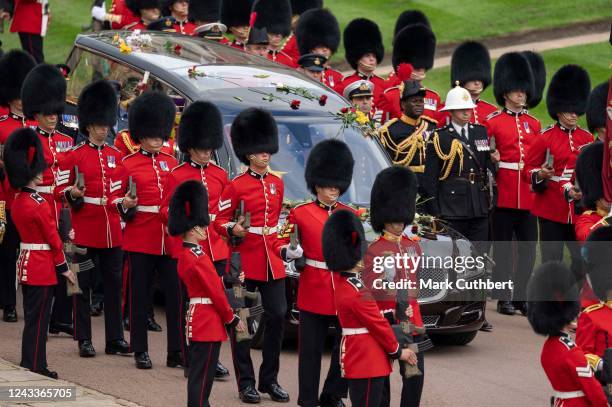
177, 49
295, 104
323, 100
344, 110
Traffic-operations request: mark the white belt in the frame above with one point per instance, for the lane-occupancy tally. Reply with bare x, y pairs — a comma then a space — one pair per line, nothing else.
354, 331
510, 166
200, 300
568, 394
34, 246
44, 190
317, 264
149, 209
94, 201
265, 230
559, 179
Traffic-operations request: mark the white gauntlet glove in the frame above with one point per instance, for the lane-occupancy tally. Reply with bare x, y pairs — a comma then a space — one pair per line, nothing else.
294, 254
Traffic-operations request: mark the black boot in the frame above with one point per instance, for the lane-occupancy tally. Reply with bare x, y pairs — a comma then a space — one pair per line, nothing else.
174, 359
505, 307
57, 327
86, 349
249, 395
221, 372
152, 325
521, 306
142, 360
46, 372
10, 314
96, 308
117, 347
276, 392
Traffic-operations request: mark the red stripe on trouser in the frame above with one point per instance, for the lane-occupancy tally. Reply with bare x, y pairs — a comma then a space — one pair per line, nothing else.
205, 375
236, 367
74, 317
129, 262
182, 318
124, 281
368, 393
42, 307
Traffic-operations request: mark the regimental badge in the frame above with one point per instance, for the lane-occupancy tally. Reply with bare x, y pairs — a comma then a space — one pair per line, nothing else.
317, 61
164, 166
273, 189
526, 126
111, 161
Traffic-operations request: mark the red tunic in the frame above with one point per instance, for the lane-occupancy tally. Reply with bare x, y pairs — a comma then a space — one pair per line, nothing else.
366, 354
514, 133
332, 78
127, 17
392, 109
184, 27
205, 322
564, 145
97, 223
281, 58
215, 180
568, 371
263, 199
30, 16
379, 85
133, 26
145, 232
127, 146
594, 331
291, 47
479, 114
9, 123
586, 222
35, 224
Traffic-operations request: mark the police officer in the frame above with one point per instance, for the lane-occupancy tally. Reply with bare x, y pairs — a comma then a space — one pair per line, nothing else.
275, 17
361, 96
312, 65
368, 342
235, 15
329, 171
553, 203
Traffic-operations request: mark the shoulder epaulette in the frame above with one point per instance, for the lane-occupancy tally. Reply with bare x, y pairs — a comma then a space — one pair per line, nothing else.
550, 127
128, 156
113, 147
81, 144
177, 167
530, 115
492, 115
166, 154
3, 118
355, 282
387, 124
593, 307
485, 102
127, 140
37, 198
429, 119
239, 175
567, 341
391, 88
216, 165
302, 204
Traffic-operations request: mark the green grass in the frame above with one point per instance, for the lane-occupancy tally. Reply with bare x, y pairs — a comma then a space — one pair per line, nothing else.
595, 58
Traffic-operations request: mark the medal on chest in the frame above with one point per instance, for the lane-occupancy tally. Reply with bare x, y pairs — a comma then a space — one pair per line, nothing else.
430, 104
164, 166
526, 126
110, 160
273, 189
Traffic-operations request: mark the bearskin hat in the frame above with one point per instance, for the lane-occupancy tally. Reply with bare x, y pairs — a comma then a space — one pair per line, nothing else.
362, 36
201, 127
393, 197
188, 208
136, 5
298, 7
14, 66
538, 68
23, 157
43, 91
330, 164
254, 131
151, 115
410, 17
596, 107
568, 91
588, 173
553, 300
597, 252
204, 10
344, 242
416, 45
236, 13
315, 28
274, 16
97, 105
512, 72
471, 62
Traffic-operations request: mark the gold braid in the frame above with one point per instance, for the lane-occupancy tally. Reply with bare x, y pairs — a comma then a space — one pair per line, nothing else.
409, 146
449, 159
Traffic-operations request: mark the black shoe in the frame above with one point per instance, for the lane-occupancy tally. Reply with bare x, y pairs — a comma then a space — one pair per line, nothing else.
330, 400
520, 306
152, 325
57, 327
117, 347
48, 373
486, 326
174, 359
10, 314
276, 392
186, 371
126, 324
221, 372
505, 307
95, 310
142, 360
249, 395
86, 349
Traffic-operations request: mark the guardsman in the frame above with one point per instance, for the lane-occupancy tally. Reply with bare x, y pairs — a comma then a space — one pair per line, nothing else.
236, 15
30, 19
41, 257
312, 65
120, 15
553, 306
514, 131
328, 172
405, 138
254, 136
596, 110
145, 238
275, 17
392, 209
471, 68
179, 11
126, 144
206, 328
95, 215
553, 203
147, 12
415, 45
14, 66
201, 134
361, 96
258, 42
368, 342
298, 7
318, 32
364, 51
538, 68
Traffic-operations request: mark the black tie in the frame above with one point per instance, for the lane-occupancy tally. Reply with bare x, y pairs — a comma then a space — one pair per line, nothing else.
463, 134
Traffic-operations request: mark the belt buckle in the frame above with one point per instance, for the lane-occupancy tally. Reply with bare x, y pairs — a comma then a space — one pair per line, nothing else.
521, 165
472, 177
266, 229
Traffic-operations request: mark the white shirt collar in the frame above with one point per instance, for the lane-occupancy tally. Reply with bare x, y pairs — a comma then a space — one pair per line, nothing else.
458, 128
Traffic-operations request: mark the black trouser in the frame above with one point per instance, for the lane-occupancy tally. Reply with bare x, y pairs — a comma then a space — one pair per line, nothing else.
142, 267
110, 262
475, 230
204, 357
274, 305
313, 329
367, 392
36, 314
33, 45
412, 388
513, 259
555, 235
8, 259
61, 311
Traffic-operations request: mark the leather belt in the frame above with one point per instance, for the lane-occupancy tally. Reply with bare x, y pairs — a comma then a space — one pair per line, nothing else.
472, 177
354, 331
263, 230
44, 190
568, 394
94, 201
149, 209
512, 166
317, 264
34, 246
200, 300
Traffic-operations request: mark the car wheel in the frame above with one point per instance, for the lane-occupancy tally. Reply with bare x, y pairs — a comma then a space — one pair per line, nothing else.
458, 339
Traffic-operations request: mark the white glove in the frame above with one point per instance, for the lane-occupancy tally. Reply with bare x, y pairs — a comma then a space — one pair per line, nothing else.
294, 254
99, 13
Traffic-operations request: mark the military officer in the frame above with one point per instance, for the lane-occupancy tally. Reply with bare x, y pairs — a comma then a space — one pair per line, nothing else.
275, 17
553, 203
368, 342
514, 131
361, 96
147, 11
312, 65
179, 11
235, 15
258, 42
205, 16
